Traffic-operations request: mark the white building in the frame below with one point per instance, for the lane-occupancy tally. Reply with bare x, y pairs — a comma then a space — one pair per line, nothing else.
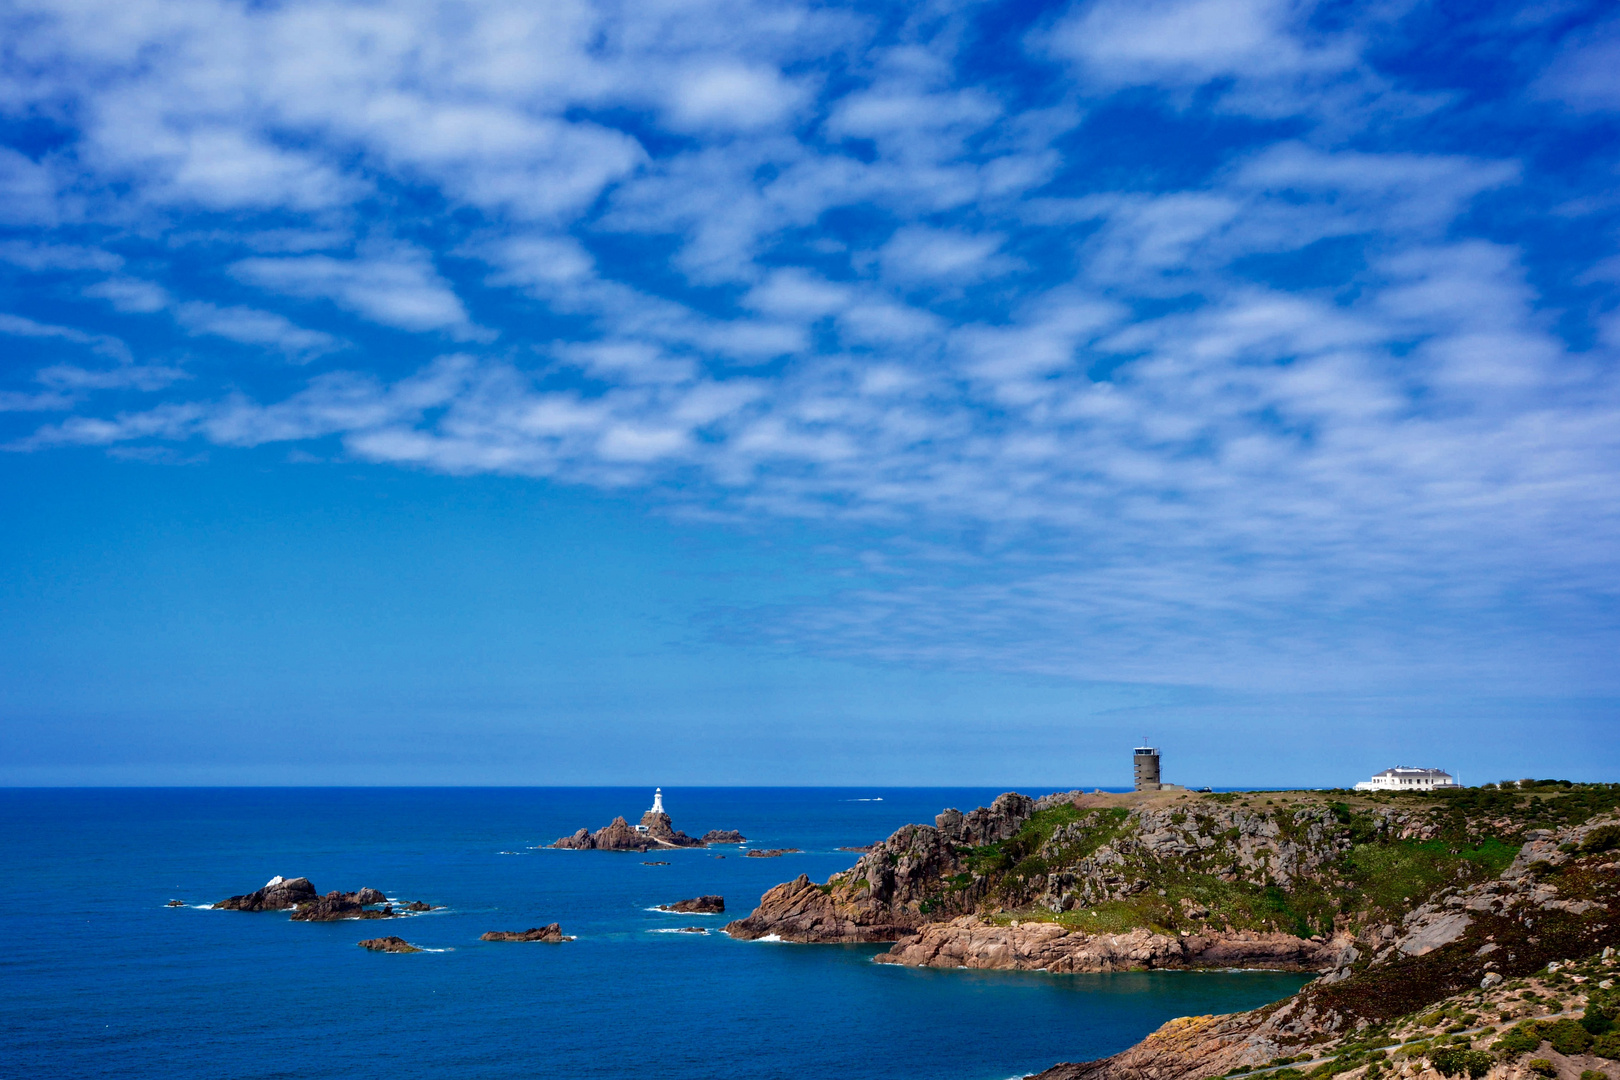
1407, 778
658, 801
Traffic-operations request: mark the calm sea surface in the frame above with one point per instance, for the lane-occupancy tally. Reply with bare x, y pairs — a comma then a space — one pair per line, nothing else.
99, 978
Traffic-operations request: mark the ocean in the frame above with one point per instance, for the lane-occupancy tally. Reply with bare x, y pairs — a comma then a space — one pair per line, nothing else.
98, 978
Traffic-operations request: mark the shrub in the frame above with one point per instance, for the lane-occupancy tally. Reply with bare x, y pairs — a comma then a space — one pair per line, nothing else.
1543, 1067
1607, 1045
1605, 838
1568, 1037
1593, 1074
1457, 1060
1519, 1039
1597, 1022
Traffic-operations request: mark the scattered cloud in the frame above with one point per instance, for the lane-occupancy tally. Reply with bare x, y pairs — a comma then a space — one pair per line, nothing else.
1194, 340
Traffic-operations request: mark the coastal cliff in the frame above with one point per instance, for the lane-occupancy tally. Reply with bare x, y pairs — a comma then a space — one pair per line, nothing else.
1508, 978
1101, 882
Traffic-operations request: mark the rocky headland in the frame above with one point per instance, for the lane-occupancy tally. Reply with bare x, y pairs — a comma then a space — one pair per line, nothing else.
1512, 977
698, 905
1424, 914
389, 944
551, 933
657, 831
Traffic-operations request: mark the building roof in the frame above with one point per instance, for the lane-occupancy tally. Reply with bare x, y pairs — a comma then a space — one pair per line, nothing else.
1409, 770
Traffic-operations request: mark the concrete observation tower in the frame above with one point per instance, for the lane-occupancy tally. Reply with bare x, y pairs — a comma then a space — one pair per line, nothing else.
1147, 768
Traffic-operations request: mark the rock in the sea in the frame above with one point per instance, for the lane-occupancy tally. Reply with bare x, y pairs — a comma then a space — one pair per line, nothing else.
388, 944
552, 933
370, 896
691, 930
655, 862
175, 903
773, 853
278, 894
655, 831
335, 906
698, 905
418, 905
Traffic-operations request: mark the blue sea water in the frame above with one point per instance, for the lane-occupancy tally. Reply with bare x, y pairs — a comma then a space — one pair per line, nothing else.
98, 978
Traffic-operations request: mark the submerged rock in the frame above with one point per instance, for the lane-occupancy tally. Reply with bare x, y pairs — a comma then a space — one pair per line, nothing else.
698, 905
551, 933
389, 944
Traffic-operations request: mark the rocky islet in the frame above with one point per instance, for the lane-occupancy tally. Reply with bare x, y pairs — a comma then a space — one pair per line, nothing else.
698, 905
300, 897
656, 831
551, 934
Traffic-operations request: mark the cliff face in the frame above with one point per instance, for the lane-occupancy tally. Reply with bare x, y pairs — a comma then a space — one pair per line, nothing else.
1433, 983
892, 890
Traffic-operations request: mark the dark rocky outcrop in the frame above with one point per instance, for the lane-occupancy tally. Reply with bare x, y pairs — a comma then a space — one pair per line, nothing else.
175, 903
551, 933
691, 930
656, 831
773, 853
278, 894
698, 905
307, 905
882, 897
336, 906
389, 944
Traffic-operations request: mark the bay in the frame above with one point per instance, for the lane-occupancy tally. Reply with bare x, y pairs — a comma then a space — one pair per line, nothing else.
101, 979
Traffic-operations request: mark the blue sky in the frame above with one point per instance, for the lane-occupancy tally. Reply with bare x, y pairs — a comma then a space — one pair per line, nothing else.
752, 392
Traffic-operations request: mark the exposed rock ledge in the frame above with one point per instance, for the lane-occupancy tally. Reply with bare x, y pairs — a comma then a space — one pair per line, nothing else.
1040, 946
389, 944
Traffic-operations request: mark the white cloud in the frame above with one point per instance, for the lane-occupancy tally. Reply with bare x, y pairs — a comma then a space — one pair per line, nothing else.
733, 96
27, 191
130, 294
1186, 42
18, 326
1585, 74
947, 256
253, 327
392, 284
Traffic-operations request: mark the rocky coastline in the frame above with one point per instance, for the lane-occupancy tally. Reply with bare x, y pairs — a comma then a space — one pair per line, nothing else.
973, 942
1488, 980
1417, 912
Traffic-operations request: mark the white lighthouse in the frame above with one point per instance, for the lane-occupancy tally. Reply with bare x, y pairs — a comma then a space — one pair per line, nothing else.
658, 801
